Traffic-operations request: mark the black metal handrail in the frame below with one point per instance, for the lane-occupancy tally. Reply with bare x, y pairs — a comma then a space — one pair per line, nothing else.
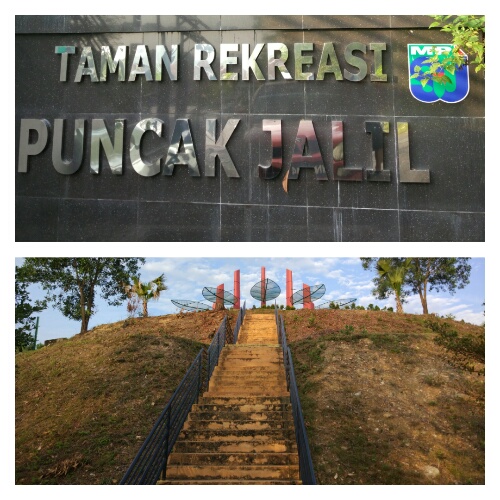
151, 460
284, 346
305, 461
215, 348
306, 467
239, 322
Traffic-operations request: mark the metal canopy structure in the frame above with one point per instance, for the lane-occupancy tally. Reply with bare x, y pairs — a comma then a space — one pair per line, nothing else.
265, 290
191, 305
313, 293
338, 302
212, 295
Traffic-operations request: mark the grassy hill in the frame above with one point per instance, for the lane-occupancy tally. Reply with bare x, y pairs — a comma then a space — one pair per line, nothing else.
383, 402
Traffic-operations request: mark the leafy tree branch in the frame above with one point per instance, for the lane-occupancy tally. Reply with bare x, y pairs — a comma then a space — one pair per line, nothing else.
467, 36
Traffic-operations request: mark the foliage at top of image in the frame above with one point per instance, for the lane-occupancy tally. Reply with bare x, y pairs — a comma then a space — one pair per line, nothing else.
467, 35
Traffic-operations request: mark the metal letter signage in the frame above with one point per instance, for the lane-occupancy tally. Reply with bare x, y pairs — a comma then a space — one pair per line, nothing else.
110, 135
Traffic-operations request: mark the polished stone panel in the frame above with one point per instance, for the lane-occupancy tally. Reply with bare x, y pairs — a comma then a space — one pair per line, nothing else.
167, 221
97, 220
36, 218
442, 226
320, 224
287, 223
260, 22
40, 24
244, 223
344, 22
367, 225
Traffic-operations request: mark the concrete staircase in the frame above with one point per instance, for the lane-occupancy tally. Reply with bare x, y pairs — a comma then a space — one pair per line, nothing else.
241, 431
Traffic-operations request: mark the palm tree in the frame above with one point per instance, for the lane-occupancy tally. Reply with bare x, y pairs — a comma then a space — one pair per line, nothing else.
393, 276
146, 291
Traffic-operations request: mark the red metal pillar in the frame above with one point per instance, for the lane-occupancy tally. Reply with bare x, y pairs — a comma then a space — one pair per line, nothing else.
289, 287
306, 290
237, 289
219, 304
263, 286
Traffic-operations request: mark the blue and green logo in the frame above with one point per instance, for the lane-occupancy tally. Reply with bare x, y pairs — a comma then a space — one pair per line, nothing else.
447, 86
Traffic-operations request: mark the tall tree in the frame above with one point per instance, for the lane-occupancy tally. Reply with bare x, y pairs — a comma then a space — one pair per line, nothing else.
392, 276
438, 274
25, 311
71, 284
145, 291
426, 274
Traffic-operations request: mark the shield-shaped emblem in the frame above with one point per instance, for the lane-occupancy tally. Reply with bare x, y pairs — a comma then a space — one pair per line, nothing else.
454, 90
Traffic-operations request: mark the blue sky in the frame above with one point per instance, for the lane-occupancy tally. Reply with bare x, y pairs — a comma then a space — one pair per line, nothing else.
343, 277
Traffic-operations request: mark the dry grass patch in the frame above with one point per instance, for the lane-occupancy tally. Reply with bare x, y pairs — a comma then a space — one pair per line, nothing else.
390, 409
84, 406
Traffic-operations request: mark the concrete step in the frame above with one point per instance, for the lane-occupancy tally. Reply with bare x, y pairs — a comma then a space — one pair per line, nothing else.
229, 481
227, 393
259, 342
242, 407
254, 425
238, 415
276, 445
275, 380
267, 352
248, 371
274, 389
248, 472
251, 382
248, 374
209, 435
260, 400
233, 459
259, 329
259, 348
228, 369
269, 346
236, 356
249, 366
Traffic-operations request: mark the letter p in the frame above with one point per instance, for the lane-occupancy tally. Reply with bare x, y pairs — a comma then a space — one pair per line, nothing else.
26, 149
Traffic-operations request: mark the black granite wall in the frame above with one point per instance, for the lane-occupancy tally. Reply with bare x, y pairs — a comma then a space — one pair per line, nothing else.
447, 139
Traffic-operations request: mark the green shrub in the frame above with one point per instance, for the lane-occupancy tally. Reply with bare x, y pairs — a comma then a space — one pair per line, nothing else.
347, 330
312, 320
466, 350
